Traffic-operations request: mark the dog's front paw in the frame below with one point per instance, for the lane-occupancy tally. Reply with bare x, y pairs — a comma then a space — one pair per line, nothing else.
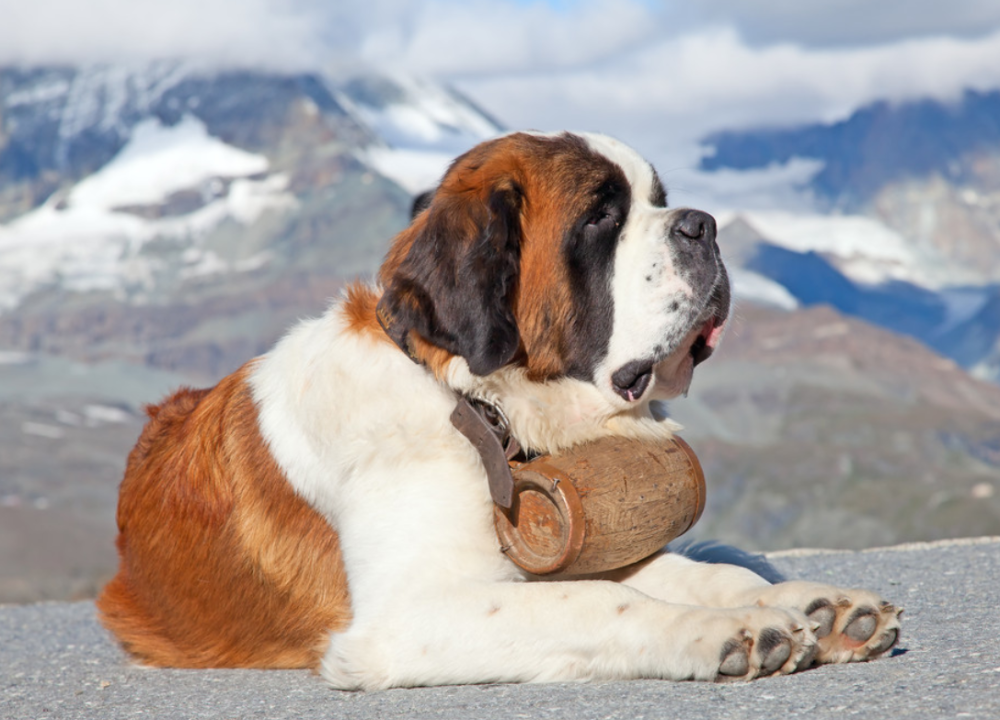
854, 625
768, 641
851, 625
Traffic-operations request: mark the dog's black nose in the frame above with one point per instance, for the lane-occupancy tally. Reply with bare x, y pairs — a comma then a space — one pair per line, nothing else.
695, 225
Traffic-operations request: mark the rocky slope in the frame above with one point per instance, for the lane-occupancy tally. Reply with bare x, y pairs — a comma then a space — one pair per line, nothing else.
819, 430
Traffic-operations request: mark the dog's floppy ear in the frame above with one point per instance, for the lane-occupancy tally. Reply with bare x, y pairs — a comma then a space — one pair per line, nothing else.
421, 202
455, 286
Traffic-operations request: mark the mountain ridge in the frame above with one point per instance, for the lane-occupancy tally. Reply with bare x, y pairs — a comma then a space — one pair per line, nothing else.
875, 146
924, 174
281, 183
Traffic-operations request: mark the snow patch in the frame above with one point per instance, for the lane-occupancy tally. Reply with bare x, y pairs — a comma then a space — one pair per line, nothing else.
100, 96
159, 161
247, 199
753, 287
45, 91
427, 117
51, 432
422, 132
84, 241
104, 415
863, 248
963, 304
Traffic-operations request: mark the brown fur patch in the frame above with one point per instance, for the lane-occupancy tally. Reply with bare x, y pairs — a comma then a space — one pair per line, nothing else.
359, 308
434, 358
361, 311
222, 564
565, 177
559, 177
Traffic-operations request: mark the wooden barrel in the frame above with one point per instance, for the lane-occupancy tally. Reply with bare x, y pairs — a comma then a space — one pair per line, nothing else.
600, 506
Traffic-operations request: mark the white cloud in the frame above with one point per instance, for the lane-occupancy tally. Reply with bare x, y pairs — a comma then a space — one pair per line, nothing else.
665, 95
484, 36
658, 75
454, 37
846, 22
429, 36
258, 32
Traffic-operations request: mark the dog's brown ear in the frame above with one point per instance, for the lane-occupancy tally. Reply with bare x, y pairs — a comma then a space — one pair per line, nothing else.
456, 285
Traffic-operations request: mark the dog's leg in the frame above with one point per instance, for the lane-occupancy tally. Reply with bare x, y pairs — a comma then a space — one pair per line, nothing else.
559, 631
851, 624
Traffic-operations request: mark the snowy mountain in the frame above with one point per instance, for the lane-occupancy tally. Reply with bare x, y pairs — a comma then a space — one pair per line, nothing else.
905, 230
876, 146
61, 124
919, 181
127, 195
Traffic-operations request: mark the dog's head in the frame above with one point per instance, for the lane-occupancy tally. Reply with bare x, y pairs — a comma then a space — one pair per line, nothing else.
557, 254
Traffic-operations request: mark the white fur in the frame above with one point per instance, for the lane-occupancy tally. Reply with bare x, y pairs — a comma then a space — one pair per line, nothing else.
551, 416
363, 434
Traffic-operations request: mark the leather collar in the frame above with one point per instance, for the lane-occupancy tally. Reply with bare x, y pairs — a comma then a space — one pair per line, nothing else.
487, 428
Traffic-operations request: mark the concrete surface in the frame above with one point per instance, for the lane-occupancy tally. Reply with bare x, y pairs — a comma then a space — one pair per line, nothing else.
57, 662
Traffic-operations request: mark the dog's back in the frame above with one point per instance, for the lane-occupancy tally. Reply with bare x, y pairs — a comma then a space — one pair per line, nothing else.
208, 582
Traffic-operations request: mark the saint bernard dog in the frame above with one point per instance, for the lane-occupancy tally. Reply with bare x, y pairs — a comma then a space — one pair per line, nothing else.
318, 509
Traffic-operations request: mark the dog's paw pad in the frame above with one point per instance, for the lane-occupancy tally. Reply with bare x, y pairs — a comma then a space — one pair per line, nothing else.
735, 660
888, 640
772, 641
863, 624
774, 648
851, 625
822, 612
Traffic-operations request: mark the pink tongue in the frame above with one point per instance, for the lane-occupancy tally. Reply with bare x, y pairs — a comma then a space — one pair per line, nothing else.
711, 333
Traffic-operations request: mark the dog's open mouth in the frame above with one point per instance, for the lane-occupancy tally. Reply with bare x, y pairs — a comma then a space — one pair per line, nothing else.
632, 379
708, 339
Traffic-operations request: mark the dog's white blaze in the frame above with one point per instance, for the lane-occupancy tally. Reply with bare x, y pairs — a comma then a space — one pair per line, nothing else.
643, 283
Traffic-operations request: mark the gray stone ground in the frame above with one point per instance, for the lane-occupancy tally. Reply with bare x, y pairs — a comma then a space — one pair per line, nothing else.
57, 662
